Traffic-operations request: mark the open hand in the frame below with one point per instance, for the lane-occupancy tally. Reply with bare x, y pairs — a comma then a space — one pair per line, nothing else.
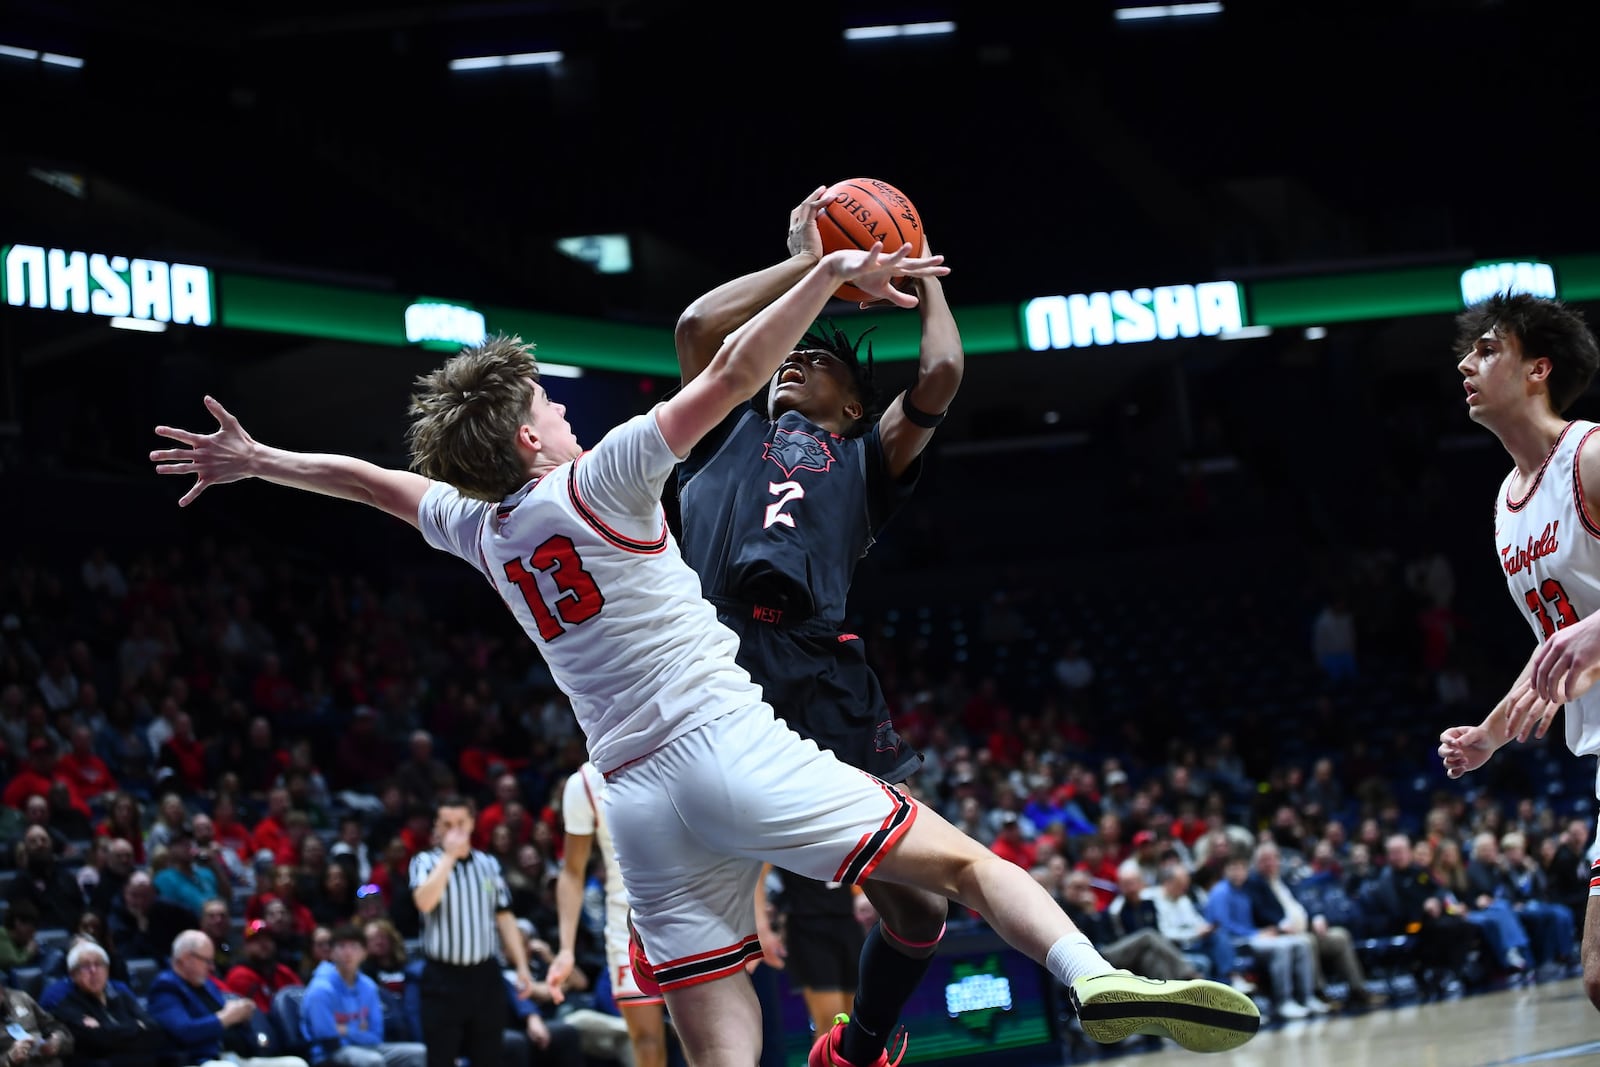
214, 459
873, 270
1529, 714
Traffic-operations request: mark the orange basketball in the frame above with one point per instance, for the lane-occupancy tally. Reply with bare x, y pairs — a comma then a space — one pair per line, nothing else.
862, 211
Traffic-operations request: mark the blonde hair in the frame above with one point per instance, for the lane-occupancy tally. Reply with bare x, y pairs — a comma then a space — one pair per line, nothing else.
465, 416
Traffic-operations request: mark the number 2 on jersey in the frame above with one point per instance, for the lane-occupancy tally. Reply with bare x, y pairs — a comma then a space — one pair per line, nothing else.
1550, 590
785, 492
580, 598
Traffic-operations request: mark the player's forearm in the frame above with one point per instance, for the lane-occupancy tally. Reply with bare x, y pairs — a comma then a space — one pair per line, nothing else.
941, 361
569, 904
704, 323
1494, 724
318, 472
752, 354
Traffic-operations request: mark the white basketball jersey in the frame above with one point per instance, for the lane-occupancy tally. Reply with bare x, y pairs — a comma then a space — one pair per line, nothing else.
581, 814
1550, 553
585, 561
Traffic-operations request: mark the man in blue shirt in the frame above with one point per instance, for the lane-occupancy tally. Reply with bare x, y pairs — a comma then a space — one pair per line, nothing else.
342, 1013
1287, 957
182, 882
203, 1019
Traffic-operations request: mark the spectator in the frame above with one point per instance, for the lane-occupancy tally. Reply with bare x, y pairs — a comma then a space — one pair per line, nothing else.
422, 777
217, 923
185, 754
109, 1027
1404, 898
102, 577
334, 902
1009, 843
172, 818
260, 974
49, 887
1143, 952
123, 819
1288, 958
84, 770
89, 927
507, 791
319, 950
142, 923
284, 888
385, 962
270, 837
1074, 672
350, 850
230, 871
18, 945
342, 1013
36, 812
36, 777
114, 874
184, 882
1275, 904
364, 755
201, 1019
31, 1036
232, 834
1179, 919
1551, 925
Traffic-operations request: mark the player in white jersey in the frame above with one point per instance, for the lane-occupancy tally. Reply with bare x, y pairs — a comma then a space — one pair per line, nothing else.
1527, 359
703, 783
585, 830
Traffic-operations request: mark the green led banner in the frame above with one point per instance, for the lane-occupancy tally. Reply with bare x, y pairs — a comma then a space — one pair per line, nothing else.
152, 294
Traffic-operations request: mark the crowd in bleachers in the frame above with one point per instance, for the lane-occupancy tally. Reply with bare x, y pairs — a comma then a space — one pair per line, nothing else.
223, 741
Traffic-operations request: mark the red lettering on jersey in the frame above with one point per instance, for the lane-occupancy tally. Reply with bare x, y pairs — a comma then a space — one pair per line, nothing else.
1515, 558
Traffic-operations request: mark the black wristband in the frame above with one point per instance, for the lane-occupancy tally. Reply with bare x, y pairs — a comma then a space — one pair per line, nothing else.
917, 416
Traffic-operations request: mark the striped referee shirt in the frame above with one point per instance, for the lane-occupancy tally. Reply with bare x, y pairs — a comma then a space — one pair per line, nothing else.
461, 930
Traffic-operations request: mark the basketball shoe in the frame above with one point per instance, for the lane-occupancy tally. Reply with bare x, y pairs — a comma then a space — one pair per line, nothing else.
1200, 1015
825, 1051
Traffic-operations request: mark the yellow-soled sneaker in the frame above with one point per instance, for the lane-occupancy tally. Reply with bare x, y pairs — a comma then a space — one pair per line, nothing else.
1200, 1015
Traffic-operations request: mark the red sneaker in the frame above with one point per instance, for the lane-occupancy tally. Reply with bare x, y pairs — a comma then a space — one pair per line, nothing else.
644, 975
825, 1052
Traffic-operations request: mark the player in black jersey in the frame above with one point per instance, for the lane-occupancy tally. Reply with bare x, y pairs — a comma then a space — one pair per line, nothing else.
777, 506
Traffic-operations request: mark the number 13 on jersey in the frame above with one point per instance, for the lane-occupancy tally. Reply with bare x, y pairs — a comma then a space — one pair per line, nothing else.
579, 598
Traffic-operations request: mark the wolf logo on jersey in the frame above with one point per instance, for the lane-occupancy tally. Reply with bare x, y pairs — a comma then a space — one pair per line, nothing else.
794, 450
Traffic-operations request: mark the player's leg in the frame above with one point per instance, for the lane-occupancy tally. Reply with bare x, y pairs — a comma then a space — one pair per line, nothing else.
647, 1032
1201, 1015
718, 1022
893, 961
1591, 938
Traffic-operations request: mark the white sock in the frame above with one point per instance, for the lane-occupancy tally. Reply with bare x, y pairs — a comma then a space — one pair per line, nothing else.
1073, 957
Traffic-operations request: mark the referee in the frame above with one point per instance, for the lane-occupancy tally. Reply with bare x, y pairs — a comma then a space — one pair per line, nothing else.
464, 904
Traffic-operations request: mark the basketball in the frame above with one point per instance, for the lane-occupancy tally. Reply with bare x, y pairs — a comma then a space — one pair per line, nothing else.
862, 211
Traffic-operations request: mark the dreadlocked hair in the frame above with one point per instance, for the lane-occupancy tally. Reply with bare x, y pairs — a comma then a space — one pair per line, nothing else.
826, 337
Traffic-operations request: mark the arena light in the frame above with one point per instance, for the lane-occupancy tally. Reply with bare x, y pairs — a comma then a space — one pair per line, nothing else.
57, 60
519, 59
13, 52
139, 325
906, 29
1245, 333
559, 370
1165, 11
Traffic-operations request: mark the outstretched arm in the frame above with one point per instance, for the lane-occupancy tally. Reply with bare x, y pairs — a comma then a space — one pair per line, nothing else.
941, 362
752, 353
705, 323
231, 455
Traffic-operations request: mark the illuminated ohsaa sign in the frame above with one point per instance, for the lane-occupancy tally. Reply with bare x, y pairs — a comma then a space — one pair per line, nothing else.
444, 323
113, 286
1488, 279
1131, 316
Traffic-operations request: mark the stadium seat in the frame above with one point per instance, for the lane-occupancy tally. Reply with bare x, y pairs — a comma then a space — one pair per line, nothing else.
141, 972
29, 980
285, 1016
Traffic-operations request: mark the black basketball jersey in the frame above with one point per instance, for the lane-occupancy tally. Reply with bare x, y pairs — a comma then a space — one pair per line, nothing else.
779, 513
